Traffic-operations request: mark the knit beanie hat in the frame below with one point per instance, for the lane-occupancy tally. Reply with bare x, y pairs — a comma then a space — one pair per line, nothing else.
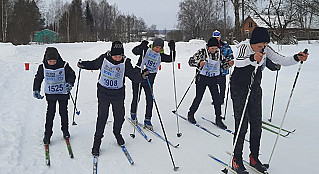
117, 48
158, 42
51, 53
212, 42
259, 35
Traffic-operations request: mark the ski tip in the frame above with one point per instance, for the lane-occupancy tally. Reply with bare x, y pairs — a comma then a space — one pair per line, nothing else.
176, 168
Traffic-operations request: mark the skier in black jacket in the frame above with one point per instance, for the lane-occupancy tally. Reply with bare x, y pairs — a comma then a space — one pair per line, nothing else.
59, 79
113, 66
150, 58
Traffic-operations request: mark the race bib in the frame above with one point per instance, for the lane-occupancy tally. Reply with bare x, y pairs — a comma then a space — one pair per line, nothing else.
112, 75
152, 61
54, 81
211, 68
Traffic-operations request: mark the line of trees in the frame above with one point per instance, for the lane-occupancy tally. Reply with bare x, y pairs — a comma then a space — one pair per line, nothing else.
73, 22
199, 18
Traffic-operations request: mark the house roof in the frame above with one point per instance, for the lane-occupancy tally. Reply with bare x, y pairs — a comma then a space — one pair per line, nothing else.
271, 19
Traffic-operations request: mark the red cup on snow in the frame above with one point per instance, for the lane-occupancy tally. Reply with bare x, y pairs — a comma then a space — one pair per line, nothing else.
26, 66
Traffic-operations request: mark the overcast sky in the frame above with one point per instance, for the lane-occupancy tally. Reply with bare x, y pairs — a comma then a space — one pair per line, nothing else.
162, 13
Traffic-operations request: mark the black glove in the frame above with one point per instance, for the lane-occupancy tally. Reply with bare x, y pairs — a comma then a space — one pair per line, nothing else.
171, 45
145, 73
277, 66
144, 45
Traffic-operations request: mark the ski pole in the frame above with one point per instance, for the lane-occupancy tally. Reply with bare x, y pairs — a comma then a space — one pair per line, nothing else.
160, 119
76, 95
286, 110
179, 134
186, 92
77, 111
273, 98
228, 89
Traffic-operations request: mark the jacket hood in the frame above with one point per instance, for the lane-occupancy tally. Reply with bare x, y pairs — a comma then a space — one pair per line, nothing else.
51, 53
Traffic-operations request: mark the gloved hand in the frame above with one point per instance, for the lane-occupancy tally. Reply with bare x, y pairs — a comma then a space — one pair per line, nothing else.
68, 87
145, 73
36, 94
144, 45
80, 65
171, 45
277, 66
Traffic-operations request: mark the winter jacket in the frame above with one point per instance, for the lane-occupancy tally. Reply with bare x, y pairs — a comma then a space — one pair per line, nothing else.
130, 72
69, 77
245, 63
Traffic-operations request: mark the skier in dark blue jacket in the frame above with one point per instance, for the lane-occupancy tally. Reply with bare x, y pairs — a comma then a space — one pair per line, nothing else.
113, 66
59, 79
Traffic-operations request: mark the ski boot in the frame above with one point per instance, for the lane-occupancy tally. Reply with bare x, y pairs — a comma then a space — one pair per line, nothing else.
134, 118
219, 122
255, 163
238, 166
96, 148
148, 124
119, 139
190, 118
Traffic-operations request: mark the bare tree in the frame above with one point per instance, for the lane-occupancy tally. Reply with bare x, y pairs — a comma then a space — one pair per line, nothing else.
198, 18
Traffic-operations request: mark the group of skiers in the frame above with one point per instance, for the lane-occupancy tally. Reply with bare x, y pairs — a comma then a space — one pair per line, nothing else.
212, 65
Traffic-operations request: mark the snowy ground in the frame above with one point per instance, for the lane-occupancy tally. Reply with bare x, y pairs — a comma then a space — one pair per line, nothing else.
22, 118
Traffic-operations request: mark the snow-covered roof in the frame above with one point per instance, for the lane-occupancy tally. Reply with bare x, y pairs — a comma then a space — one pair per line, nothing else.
272, 19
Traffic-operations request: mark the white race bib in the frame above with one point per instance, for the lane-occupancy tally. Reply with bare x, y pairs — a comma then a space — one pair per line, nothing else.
211, 68
152, 61
54, 81
112, 75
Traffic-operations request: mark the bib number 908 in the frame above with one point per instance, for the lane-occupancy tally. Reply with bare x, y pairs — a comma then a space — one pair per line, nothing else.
110, 83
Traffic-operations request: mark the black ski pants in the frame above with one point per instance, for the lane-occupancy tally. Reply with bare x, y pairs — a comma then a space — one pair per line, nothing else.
201, 83
222, 88
253, 116
137, 87
103, 114
63, 111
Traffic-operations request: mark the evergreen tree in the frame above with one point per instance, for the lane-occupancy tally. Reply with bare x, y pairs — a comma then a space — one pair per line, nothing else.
89, 24
26, 20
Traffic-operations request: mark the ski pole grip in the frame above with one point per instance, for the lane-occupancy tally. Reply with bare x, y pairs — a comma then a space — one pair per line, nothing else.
305, 51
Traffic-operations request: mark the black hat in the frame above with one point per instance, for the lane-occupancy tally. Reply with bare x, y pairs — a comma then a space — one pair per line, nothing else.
259, 35
117, 48
51, 53
158, 42
212, 42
